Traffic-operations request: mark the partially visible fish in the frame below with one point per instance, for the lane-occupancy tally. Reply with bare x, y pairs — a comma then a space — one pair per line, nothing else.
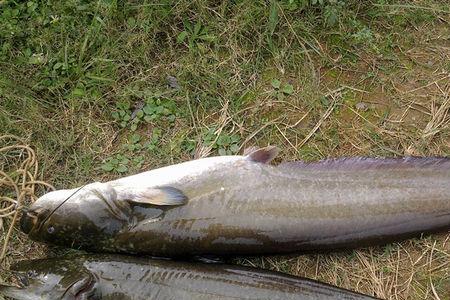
130, 278
241, 205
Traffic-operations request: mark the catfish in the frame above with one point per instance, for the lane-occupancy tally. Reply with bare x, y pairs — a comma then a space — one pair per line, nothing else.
243, 205
112, 277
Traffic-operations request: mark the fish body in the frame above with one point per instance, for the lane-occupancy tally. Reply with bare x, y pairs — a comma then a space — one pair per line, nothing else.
241, 205
110, 277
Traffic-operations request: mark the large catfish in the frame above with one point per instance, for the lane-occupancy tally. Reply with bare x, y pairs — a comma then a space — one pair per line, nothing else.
109, 277
241, 205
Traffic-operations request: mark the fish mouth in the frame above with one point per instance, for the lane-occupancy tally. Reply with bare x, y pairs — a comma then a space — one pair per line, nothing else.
32, 218
28, 221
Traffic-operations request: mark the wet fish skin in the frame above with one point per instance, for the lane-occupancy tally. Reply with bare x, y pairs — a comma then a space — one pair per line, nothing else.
110, 277
240, 205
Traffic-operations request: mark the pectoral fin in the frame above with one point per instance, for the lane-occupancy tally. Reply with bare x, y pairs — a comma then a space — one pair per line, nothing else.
263, 155
165, 195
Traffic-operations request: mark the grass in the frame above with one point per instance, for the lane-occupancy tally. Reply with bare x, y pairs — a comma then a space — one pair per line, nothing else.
106, 88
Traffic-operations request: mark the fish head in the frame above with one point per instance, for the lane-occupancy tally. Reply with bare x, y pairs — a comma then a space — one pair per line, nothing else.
81, 217
49, 280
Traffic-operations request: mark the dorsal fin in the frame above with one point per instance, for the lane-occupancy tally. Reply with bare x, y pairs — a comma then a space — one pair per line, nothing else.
364, 163
249, 150
263, 155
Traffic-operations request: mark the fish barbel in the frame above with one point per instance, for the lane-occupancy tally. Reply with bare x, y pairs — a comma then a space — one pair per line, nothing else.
242, 205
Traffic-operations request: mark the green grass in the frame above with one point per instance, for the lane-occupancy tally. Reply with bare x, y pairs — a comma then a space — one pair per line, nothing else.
107, 88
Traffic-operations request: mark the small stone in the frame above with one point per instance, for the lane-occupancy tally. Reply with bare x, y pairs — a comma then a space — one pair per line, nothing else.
172, 82
362, 106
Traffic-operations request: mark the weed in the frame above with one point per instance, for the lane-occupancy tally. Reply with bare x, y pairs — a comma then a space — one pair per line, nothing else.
155, 138
154, 108
134, 143
122, 113
227, 144
119, 163
194, 34
224, 144
281, 90
188, 145
133, 152
157, 107
331, 10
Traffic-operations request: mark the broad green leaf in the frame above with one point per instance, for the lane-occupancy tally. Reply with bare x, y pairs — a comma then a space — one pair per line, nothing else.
148, 109
223, 140
159, 109
107, 167
288, 89
276, 83
121, 169
57, 66
35, 60
157, 132
182, 36
234, 148
197, 28
78, 92
207, 37
131, 21
187, 25
135, 138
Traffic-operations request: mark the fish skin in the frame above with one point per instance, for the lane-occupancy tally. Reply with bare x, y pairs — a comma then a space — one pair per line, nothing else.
112, 277
238, 206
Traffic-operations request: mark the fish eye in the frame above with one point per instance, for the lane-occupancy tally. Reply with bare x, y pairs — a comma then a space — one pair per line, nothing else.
31, 274
50, 229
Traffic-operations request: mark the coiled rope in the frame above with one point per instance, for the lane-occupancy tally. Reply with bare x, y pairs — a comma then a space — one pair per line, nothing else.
18, 172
